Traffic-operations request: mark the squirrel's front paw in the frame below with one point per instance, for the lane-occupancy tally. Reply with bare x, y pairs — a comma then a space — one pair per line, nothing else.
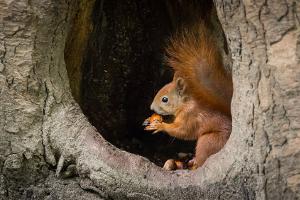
153, 123
172, 164
154, 126
192, 164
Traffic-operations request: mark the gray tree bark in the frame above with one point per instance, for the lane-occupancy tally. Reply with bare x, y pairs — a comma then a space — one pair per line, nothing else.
42, 128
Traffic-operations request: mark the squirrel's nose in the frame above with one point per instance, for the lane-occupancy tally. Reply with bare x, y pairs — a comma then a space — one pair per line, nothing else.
152, 107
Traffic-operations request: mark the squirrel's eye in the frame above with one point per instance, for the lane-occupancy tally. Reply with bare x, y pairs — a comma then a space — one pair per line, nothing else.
165, 99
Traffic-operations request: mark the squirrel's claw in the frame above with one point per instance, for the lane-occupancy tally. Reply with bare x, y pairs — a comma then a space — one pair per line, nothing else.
158, 127
146, 122
156, 131
192, 165
149, 128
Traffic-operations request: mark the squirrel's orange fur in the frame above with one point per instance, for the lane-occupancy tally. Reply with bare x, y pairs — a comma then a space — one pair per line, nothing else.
200, 94
194, 56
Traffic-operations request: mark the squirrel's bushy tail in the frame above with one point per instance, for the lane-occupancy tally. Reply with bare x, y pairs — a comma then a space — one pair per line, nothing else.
193, 54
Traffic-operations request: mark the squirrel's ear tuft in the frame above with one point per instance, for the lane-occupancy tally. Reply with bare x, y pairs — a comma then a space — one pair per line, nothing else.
180, 86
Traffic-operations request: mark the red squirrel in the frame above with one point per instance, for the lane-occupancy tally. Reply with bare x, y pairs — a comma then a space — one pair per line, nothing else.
199, 95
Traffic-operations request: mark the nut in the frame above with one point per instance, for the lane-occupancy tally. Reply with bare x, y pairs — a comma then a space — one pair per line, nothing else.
154, 118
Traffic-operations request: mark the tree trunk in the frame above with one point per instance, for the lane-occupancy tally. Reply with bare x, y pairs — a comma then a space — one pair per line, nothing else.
44, 132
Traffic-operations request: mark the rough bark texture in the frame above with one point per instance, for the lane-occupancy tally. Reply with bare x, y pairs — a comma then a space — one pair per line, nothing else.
264, 39
42, 128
